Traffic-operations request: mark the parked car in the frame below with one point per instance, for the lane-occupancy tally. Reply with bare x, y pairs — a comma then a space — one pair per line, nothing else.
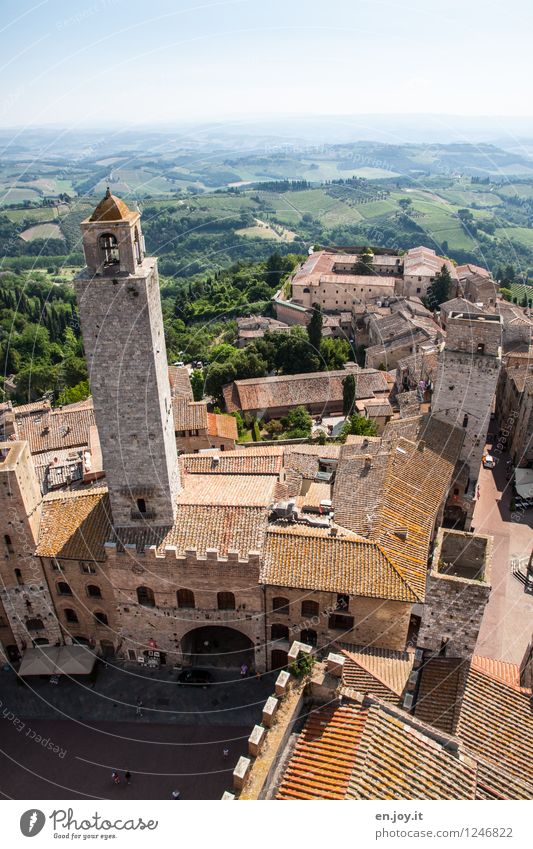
488, 461
195, 676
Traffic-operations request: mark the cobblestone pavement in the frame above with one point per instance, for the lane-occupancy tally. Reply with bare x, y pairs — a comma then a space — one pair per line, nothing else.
113, 697
161, 758
63, 741
507, 623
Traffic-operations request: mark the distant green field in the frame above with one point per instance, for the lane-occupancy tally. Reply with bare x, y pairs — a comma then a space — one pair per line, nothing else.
376, 208
40, 214
523, 235
521, 190
42, 231
14, 195
518, 291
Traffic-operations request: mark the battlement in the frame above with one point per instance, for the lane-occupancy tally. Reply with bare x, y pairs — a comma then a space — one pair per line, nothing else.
191, 555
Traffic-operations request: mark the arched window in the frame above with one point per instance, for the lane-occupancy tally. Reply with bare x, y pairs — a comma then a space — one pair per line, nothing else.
94, 591
18, 576
309, 608
109, 248
8, 544
34, 624
101, 617
63, 588
279, 632
280, 604
145, 596
185, 598
70, 615
309, 637
225, 601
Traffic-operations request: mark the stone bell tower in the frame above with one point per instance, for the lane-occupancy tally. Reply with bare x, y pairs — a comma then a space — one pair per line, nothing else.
122, 324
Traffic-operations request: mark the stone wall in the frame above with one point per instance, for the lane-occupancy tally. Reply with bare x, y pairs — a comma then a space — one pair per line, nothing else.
80, 576
126, 357
24, 592
464, 394
167, 623
455, 605
377, 622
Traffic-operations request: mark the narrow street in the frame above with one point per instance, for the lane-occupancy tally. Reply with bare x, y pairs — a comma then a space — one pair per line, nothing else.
507, 624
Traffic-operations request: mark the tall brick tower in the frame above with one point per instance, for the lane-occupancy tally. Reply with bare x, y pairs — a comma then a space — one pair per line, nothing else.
122, 324
24, 593
468, 372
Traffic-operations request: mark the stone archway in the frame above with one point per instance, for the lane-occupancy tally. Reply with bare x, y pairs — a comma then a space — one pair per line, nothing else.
217, 645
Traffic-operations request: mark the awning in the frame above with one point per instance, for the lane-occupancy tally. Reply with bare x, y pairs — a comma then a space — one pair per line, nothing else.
58, 660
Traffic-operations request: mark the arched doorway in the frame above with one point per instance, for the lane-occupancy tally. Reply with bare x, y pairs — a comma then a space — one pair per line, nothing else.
216, 645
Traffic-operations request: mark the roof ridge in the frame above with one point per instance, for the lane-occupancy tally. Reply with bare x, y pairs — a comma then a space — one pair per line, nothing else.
371, 672
398, 570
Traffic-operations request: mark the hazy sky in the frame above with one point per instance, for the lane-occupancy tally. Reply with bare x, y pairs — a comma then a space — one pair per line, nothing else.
152, 61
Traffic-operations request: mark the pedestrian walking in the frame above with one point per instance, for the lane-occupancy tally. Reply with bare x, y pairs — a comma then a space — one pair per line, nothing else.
127, 776
139, 706
225, 754
244, 670
115, 777
175, 794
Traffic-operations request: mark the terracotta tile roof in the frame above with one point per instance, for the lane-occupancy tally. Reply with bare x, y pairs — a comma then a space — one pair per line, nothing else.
29, 409
233, 463
294, 389
381, 672
112, 208
398, 758
375, 408
460, 305
222, 426
417, 481
189, 415
316, 493
506, 673
463, 270
180, 384
75, 525
310, 558
358, 487
305, 459
409, 403
324, 755
370, 750
496, 724
441, 685
234, 490
56, 429
222, 527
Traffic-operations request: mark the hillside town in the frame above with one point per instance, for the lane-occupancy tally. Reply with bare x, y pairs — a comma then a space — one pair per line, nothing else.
381, 579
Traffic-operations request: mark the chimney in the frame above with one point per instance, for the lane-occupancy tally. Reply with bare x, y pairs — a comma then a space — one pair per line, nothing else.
421, 445
333, 532
368, 463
